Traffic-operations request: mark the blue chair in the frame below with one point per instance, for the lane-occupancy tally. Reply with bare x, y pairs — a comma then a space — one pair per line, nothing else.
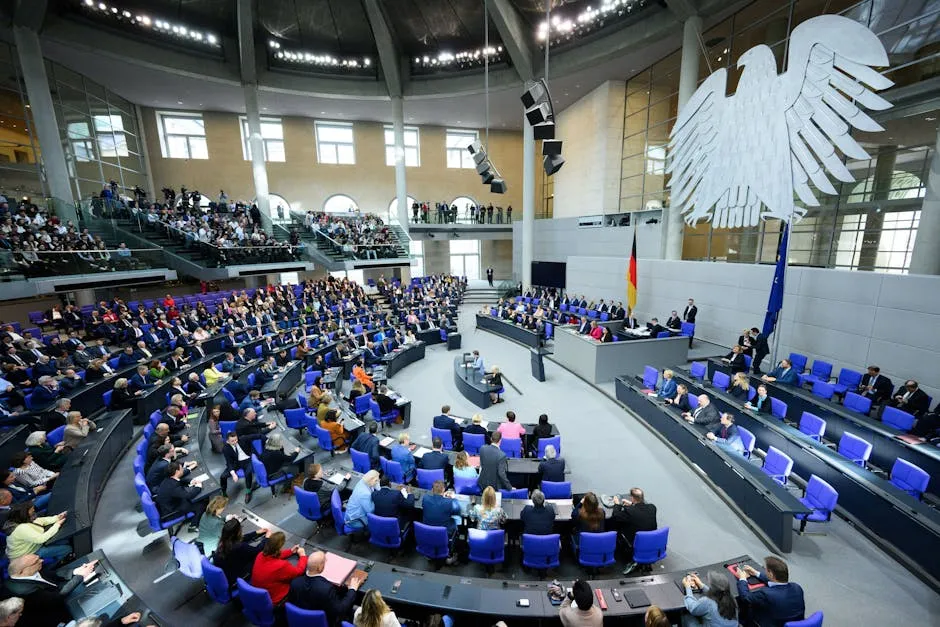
385, 532
748, 440
392, 469
512, 447
747, 363
251, 378
778, 465
820, 497
698, 370
466, 485
823, 390
308, 504
106, 398
261, 475
854, 448
432, 542
663, 334
155, 416
472, 442
596, 550
445, 436
378, 416
487, 547
798, 361
857, 403
720, 380
897, 418
217, 585
543, 442
910, 478
650, 377
295, 419
140, 484
778, 408
113, 362
55, 436
816, 620
256, 604
549, 330
361, 404
520, 493
226, 427
688, 330
649, 547
848, 380
324, 437
157, 522
228, 395
556, 489
426, 478
540, 552
297, 617
812, 425
821, 371
361, 461
339, 520
693, 402
188, 557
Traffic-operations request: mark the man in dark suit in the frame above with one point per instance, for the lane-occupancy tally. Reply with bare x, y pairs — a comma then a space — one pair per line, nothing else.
249, 429
552, 468
761, 349
174, 499
779, 602
438, 509
56, 417
494, 466
197, 352
46, 392
159, 470
911, 398
140, 380
392, 503
875, 386
584, 327
786, 374
631, 516
674, 321
444, 421
236, 459
538, 519
654, 327
705, 414
313, 592
690, 312
43, 596
437, 459
367, 442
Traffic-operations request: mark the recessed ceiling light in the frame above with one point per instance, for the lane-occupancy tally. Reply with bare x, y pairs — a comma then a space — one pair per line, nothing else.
179, 102
323, 113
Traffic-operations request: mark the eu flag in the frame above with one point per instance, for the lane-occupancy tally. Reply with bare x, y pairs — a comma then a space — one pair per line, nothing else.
775, 302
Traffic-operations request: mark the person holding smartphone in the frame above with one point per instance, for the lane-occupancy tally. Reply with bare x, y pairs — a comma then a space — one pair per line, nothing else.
578, 608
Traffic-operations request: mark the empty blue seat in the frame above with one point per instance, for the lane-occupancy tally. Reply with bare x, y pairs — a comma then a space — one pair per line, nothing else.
385, 532
596, 550
821, 371
821, 498
324, 437
297, 617
519, 493
823, 390
812, 425
816, 620
362, 404
55, 436
540, 552
256, 604
308, 504
778, 408
848, 380
393, 469
466, 485
512, 447
857, 403
778, 465
854, 448
687, 329
487, 547
721, 380
650, 377
910, 478
445, 436
295, 418
556, 489
360, 460
698, 370
897, 418
649, 547
748, 440
217, 585
431, 542
426, 478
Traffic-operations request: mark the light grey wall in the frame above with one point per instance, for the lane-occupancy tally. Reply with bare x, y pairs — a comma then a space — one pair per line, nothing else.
847, 318
496, 253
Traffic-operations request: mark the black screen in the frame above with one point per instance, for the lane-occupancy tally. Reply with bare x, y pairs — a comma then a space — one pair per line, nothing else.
549, 274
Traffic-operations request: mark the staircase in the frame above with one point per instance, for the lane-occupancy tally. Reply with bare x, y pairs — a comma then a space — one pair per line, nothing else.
481, 296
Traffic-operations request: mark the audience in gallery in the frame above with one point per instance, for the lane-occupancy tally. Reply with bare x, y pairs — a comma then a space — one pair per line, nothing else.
364, 236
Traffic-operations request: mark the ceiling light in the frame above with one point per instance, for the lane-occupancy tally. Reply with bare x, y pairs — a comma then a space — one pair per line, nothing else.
103, 6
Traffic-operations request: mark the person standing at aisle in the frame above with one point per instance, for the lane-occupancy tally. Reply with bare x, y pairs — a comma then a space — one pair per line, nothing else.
489, 276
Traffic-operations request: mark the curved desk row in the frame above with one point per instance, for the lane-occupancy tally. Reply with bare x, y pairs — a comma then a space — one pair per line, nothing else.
472, 384
598, 363
904, 526
886, 445
508, 330
405, 356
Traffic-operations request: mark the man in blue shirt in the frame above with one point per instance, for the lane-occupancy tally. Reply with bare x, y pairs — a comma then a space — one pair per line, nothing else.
777, 603
440, 510
478, 363
367, 442
360, 505
726, 435
783, 373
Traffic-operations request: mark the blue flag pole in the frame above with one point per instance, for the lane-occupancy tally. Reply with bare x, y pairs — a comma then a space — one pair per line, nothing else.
775, 300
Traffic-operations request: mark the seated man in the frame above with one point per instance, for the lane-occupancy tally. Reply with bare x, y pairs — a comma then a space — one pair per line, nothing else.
445, 421
705, 414
312, 591
786, 374
387, 404
631, 516
552, 468
654, 327
437, 458
779, 602
726, 435
173, 499
911, 398
538, 519
367, 442
393, 503
440, 508
875, 386
141, 379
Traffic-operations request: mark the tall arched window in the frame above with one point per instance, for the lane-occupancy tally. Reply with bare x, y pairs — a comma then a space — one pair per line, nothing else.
393, 206
340, 203
275, 201
462, 202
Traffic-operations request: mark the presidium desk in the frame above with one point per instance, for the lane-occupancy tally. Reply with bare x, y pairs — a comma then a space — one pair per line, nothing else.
598, 363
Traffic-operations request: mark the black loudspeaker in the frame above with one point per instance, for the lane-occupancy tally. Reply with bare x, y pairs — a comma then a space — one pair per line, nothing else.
551, 147
543, 131
533, 94
552, 163
483, 167
538, 113
488, 177
475, 147
498, 186
479, 157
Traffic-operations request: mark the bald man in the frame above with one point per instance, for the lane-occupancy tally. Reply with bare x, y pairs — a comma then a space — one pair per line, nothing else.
313, 592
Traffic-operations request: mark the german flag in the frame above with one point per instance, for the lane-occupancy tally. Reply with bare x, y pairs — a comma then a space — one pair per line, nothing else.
631, 278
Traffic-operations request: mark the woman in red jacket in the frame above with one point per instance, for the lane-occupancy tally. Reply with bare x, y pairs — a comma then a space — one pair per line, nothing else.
273, 572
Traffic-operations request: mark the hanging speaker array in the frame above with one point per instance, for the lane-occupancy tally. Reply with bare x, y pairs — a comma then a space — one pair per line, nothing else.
540, 115
485, 168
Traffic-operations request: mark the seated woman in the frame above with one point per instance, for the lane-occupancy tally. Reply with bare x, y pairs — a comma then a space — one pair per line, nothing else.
740, 386
28, 534
122, 397
487, 514
44, 453
357, 390
495, 379
587, 516
236, 553
314, 482
359, 372
272, 571
211, 523
715, 607
276, 462
324, 406
158, 370
76, 430
668, 388
338, 434
316, 393
410, 338
681, 399
606, 336
28, 473
462, 467
401, 453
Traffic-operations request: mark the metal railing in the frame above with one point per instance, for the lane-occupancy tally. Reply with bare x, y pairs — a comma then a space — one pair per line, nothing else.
31, 264
433, 216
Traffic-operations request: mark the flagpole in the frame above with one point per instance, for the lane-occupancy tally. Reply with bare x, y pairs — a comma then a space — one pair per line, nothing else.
786, 266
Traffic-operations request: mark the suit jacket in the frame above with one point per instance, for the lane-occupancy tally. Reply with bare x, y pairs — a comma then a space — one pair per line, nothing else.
434, 461
368, 443
173, 496
762, 407
584, 328
789, 377
44, 603
443, 421
882, 388
494, 468
231, 458
708, 416
736, 363
552, 469
42, 396
389, 502
316, 593
632, 518
917, 404
674, 322
772, 606
690, 313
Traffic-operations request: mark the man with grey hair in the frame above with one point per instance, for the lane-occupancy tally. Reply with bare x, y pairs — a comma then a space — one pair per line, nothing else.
538, 519
57, 417
43, 596
10, 611
552, 468
631, 516
46, 392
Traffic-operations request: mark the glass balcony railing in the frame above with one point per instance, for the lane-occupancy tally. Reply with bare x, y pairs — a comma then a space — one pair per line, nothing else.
33, 264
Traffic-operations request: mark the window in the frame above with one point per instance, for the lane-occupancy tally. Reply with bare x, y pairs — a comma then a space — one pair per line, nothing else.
83, 146
457, 154
412, 148
182, 136
111, 139
393, 207
356, 276
656, 160
340, 203
272, 135
335, 143
465, 258
417, 257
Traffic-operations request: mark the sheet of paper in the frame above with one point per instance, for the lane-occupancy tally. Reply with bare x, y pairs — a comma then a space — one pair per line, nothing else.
386, 441
485, 424
337, 569
420, 452
201, 478
336, 478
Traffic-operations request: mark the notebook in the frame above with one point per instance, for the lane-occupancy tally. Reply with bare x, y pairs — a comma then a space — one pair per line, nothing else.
337, 569
418, 454
636, 597
200, 479
337, 478
386, 441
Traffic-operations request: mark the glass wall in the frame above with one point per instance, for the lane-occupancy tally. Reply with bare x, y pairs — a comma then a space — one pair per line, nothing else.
19, 152
871, 223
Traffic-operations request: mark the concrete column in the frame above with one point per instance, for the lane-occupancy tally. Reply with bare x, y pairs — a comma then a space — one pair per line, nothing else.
84, 297
528, 202
401, 188
54, 165
259, 170
925, 258
884, 173
688, 82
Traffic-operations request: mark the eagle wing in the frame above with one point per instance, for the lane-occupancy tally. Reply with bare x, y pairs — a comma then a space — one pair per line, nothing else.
692, 143
828, 80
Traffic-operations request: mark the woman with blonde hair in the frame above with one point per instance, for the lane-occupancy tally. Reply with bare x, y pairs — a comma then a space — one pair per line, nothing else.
740, 387
357, 390
374, 612
210, 525
462, 467
668, 388
324, 406
488, 514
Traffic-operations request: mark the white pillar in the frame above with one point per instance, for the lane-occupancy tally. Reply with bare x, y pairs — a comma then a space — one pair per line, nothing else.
401, 188
925, 258
44, 121
688, 82
528, 202
259, 171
